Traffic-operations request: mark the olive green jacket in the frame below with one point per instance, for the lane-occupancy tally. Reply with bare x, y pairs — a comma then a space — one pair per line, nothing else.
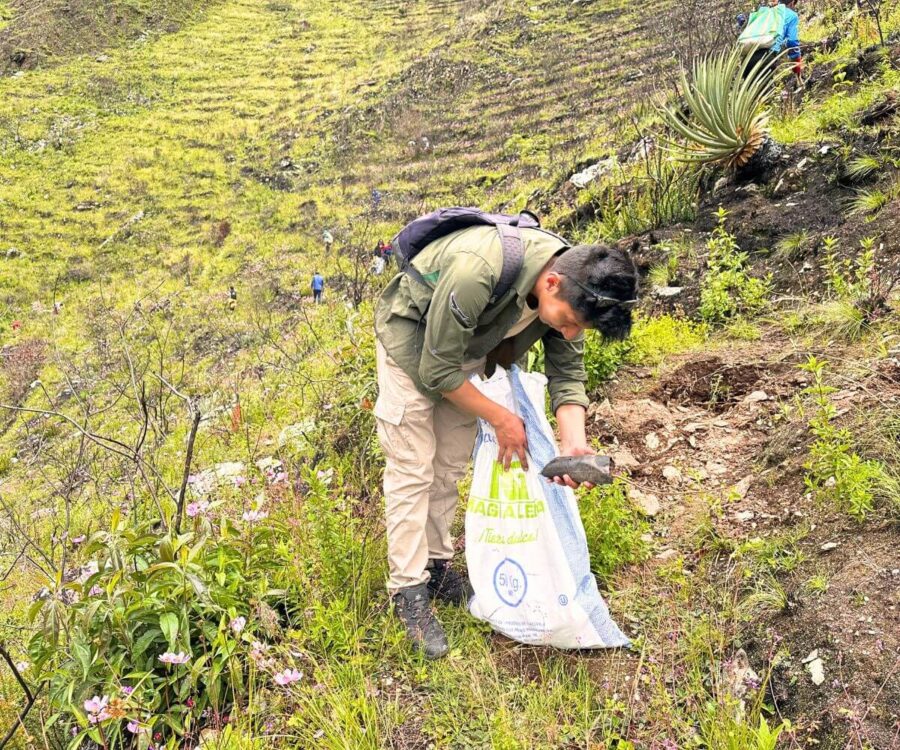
430, 331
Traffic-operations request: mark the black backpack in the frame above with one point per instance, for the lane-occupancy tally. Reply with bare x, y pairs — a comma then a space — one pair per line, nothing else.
413, 238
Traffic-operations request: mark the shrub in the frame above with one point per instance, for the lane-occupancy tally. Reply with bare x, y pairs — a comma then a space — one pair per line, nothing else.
727, 290
166, 630
652, 339
835, 472
613, 528
659, 194
859, 290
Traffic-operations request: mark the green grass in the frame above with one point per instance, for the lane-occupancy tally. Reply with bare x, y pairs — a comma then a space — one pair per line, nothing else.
651, 341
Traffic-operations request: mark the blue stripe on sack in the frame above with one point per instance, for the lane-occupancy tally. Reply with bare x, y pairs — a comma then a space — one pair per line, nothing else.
570, 531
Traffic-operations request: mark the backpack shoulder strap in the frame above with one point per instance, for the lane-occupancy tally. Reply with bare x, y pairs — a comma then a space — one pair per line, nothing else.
513, 259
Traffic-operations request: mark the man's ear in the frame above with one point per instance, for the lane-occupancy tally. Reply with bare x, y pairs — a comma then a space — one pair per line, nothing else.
551, 281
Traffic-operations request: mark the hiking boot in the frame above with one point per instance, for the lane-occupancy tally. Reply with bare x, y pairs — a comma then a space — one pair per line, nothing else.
446, 584
413, 607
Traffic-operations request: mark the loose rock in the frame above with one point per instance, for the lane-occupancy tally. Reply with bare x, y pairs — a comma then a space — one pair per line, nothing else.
667, 291
646, 503
624, 459
672, 474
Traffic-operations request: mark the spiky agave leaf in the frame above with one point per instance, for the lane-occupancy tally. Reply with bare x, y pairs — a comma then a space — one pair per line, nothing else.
728, 116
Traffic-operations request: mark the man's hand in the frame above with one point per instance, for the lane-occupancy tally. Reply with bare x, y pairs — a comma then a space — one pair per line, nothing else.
511, 439
509, 428
572, 439
574, 450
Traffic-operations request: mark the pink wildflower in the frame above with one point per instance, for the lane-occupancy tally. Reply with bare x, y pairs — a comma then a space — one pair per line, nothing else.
96, 709
253, 516
287, 677
238, 623
197, 508
172, 658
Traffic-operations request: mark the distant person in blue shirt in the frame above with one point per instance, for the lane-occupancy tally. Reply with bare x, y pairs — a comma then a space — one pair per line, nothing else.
318, 286
788, 39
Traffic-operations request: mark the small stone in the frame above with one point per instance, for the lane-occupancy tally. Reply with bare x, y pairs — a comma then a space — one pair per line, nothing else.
816, 670
752, 398
13, 252
667, 554
672, 474
593, 172
743, 487
646, 503
624, 459
715, 468
814, 654
744, 515
721, 184
667, 291
651, 440
597, 409
828, 546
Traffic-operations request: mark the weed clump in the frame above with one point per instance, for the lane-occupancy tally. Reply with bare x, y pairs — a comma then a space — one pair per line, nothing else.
613, 528
651, 341
728, 290
836, 473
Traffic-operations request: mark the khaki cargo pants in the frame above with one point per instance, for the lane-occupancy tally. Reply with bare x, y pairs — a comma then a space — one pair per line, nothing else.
426, 447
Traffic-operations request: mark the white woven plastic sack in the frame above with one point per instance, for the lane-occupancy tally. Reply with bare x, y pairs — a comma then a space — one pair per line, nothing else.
525, 545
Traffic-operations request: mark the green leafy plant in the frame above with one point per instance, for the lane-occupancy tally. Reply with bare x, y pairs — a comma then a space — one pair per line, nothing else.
835, 472
652, 339
727, 289
665, 273
728, 117
860, 290
613, 528
657, 193
159, 631
767, 596
869, 202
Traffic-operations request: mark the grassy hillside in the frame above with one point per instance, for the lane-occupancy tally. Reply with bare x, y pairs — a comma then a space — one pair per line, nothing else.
138, 185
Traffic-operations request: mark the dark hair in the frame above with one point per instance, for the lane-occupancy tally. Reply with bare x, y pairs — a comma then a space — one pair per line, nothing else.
590, 272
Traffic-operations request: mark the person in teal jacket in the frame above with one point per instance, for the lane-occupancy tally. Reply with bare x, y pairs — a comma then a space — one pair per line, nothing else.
787, 39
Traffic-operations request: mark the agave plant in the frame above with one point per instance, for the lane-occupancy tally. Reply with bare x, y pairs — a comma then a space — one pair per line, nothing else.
727, 115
